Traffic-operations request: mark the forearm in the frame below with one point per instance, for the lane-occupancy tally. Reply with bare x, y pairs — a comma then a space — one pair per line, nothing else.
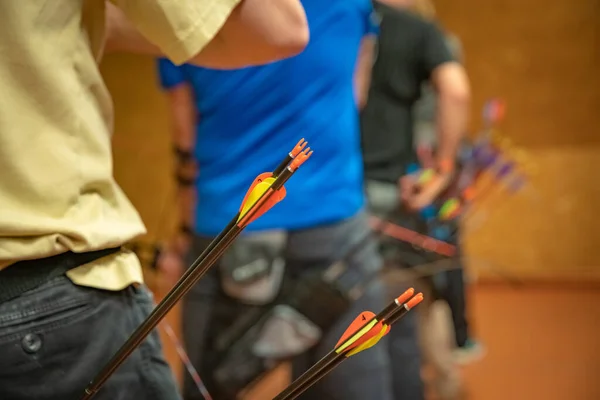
184, 219
256, 32
123, 37
187, 171
186, 197
452, 110
183, 136
452, 119
186, 201
363, 70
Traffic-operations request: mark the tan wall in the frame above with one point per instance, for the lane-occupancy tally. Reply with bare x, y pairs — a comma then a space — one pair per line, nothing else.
541, 56
142, 146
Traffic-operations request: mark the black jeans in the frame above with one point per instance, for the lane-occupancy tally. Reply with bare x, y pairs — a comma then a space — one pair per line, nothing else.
454, 294
383, 201
55, 338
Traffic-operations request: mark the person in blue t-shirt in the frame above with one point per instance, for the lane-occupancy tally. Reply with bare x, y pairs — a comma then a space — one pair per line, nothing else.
258, 114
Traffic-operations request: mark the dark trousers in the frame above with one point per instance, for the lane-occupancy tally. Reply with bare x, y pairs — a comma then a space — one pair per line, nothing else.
383, 200
364, 376
454, 294
55, 338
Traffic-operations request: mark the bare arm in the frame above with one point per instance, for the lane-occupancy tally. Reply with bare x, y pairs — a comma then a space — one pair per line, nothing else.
454, 95
256, 32
183, 120
183, 116
362, 72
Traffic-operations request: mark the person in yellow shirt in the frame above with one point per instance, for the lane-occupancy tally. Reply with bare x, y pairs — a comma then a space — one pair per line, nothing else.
69, 294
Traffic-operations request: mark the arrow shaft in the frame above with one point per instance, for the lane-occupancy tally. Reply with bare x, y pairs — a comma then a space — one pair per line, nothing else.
310, 377
397, 315
406, 235
282, 165
293, 391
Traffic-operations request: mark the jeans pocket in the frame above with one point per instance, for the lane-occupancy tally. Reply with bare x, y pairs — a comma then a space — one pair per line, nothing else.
43, 334
48, 307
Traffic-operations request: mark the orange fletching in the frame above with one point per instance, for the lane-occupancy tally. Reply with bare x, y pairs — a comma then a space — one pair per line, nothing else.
265, 206
370, 334
355, 326
257, 180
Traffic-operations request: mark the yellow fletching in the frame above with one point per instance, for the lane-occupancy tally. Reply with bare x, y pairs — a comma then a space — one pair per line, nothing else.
426, 176
255, 195
369, 343
356, 336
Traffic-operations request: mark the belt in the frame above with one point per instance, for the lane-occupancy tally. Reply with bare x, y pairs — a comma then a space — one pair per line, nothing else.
27, 275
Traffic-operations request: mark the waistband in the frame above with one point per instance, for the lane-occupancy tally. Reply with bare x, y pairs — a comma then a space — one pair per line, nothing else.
26, 275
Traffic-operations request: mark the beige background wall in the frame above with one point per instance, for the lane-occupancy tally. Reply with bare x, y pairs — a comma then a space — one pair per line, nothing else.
541, 56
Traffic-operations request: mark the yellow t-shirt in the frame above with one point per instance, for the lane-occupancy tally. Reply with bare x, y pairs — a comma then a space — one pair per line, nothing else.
57, 191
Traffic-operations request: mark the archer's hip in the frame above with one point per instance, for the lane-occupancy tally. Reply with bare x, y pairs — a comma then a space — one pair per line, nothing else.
54, 338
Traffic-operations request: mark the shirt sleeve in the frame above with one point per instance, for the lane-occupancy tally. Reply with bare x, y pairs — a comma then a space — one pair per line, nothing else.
455, 47
436, 51
169, 74
180, 28
371, 19
425, 108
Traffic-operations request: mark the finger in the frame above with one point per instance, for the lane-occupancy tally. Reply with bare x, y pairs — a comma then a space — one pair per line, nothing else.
427, 194
408, 185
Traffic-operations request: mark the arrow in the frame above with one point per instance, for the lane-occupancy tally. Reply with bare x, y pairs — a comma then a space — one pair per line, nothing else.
266, 191
410, 236
458, 205
364, 332
484, 155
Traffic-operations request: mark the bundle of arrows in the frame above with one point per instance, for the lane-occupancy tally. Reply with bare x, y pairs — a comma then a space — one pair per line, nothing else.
266, 191
364, 332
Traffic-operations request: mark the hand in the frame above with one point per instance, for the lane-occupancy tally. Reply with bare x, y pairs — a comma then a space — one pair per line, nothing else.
417, 195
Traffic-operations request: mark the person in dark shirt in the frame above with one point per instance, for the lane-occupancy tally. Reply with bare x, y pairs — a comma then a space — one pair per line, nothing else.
411, 51
467, 349
446, 342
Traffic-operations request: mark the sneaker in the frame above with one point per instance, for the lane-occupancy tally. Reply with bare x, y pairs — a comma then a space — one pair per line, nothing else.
472, 351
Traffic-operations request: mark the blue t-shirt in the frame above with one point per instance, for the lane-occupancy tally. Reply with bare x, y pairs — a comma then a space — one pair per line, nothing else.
249, 119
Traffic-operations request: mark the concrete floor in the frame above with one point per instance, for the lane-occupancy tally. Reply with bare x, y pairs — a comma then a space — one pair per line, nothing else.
543, 342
